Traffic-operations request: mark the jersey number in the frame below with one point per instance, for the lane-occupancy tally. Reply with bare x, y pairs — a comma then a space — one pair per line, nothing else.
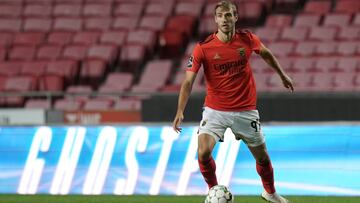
256, 125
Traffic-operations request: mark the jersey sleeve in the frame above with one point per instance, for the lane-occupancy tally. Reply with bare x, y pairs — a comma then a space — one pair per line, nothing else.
195, 60
255, 43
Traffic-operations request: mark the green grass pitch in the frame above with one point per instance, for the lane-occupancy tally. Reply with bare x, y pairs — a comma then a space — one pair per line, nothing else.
158, 199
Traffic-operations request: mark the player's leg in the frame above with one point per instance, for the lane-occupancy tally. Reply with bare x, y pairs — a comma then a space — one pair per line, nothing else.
266, 172
206, 162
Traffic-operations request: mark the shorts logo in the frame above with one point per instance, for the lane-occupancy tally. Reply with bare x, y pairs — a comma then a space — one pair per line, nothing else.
203, 123
241, 51
190, 62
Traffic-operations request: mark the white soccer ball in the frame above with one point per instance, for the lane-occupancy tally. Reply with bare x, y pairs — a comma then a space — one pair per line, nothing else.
219, 194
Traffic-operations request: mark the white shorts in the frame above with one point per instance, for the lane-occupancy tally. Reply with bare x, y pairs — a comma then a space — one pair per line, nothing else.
245, 125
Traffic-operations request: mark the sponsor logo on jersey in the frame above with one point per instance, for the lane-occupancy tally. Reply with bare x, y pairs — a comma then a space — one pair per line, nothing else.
217, 56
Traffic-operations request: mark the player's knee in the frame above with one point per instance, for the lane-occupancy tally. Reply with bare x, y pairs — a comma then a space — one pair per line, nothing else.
204, 153
263, 160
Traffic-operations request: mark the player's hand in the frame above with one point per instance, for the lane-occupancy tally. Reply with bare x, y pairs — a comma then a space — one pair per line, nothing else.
287, 82
177, 121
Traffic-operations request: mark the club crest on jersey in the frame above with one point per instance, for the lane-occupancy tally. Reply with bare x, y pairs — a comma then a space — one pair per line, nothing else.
190, 62
241, 51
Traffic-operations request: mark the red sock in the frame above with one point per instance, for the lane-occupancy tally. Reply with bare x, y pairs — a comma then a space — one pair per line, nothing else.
207, 169
267, 176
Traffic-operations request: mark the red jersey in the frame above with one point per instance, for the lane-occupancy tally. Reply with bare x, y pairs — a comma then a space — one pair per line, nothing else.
229, 80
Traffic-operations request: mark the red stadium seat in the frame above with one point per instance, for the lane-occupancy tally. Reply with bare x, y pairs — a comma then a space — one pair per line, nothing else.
37, 10
349, 33
146, 38
68, 104
86, 38
13, 2
37, 24
302, 64
278, 20
154, 23
347, 6
67, 69
321, 82
251, 12
33, 68
75, 52
318, 7
171, 44
307, 20
38, 104
106, 53
97, 10
18, 84
10, 68
6, 39
125, 23
98, 104
326, 48
347, 48
188, 8
116, 38
68, 24
258, 65
129, 9
116, 82
186, 21
29, 38
131, 57
49, 52
286, 5
324, 64
344, 82
322, 33
301, 81
24, 53
51, 83
348, 64
207, 26
356, 21
3, 53
74, 2
81, 92
337, 19
10, 11
92, 71
39, 2
297, 34
67, 10
10, 24
98, 24
60, 38
282, 48
267, 34
159, 9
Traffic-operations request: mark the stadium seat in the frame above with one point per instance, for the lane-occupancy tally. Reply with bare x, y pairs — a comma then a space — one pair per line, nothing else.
74, 2
67, 69
29, 38
75, 52
97, 9
347, 6
37, 10
107, 53
349, 33
86, 38
322, 33
98, 104
92, 71
51, 83
129, 9
188, 8
207, 26
37, 24
305, 48
131, 57
13, 2
186, 21
287, 6
49, 52
356, 20
60, 38
125, 23
251, 13
3, 53
38, 104
98, 24
282, 48
79, 92
347, 48
116, 82
154, 23
68, 24
326, 48
67, 10
24, 53
146, 38
116, 38
159, 9
10, 68
171, 44
10, 24
10, 11
297, 34
343, 82
39, 2
348, 64
302, 64
307, 20
325, 64
267, 34
189, 49
258, 65
68, 104
278, 20
6, 39
33, 68
318, 7
18, 84
337, 19
321, 82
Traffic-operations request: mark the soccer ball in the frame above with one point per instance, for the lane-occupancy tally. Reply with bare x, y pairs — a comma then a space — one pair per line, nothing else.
219, 194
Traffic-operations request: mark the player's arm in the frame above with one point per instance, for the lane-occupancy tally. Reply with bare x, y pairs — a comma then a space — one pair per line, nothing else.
270, 59
184, 95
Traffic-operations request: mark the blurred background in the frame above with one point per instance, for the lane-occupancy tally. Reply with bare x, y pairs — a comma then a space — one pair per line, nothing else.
89, 90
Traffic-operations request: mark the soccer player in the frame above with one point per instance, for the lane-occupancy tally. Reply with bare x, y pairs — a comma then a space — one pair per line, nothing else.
231, 95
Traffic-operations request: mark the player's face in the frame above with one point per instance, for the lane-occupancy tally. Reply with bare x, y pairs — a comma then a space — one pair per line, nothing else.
225, 19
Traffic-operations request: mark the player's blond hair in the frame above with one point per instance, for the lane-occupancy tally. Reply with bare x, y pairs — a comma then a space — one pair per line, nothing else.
227, 5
